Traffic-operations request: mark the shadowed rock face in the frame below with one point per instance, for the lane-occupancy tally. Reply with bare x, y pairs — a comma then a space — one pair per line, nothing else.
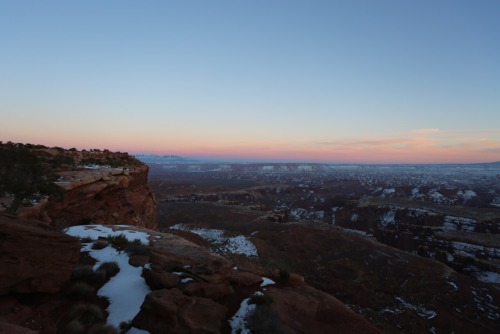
106, 196
398, 291
307, 310
34, 258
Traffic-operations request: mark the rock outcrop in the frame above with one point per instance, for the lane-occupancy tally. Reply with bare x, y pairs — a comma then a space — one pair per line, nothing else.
97, 192
105, 196
171, 311
197, 291
34, 258
307, 310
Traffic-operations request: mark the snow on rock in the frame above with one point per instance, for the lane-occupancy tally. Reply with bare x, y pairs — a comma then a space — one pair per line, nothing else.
237, 322
472, 250
127, 289
459, 223
488, 276
94, 166
467, 195
419, 309
388, 218
436, 197
236, 245
388, 192
95, 231
266, 281
496, 202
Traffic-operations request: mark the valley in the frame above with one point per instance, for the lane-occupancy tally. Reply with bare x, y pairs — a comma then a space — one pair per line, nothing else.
411, 248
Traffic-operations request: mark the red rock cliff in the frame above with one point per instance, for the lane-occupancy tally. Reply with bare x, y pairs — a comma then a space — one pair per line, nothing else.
101, 195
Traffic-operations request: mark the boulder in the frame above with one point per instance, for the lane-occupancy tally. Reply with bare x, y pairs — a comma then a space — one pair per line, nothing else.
170, 311
244, 278
307, 310
172, 253
34, 258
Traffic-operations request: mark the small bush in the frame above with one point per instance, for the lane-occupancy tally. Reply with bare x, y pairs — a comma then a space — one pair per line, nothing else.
265, 320
74, 327
86, 314
86, 274
136, 247
108, 269
261, 299
100, 244
125, 326
86, 240
118, 241
284, 276
80, 290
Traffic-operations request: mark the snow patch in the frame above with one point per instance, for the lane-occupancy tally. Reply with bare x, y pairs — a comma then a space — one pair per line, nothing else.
419, 309
266, 281
95, 231
237, 322
388, 218
122, 306
236, 245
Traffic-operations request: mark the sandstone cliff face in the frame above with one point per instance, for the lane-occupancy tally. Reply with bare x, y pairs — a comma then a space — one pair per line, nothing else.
100, 195
34, 258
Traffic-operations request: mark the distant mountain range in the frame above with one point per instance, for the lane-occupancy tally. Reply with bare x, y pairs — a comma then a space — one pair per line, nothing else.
160, 159
175, 159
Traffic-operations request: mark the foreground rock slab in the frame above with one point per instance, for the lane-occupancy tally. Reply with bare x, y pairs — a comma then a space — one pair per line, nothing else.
34, 258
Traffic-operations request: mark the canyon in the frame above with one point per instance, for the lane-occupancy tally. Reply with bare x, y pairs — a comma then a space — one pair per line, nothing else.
226, 248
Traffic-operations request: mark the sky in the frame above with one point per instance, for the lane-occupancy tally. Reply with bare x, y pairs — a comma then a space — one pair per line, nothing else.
373, 81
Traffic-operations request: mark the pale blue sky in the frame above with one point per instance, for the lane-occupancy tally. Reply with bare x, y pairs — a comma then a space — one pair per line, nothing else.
306, 80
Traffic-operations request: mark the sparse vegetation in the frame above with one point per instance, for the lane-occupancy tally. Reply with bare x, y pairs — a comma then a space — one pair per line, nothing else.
136, 247
284, 276
108, 269
79, 290
261, 299
26, 175
100, 244
74, 327
86, 314
264, 320
85, 274
118, 241
125, 326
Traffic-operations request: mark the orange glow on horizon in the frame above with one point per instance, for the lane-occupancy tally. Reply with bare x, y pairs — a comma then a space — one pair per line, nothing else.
419, 146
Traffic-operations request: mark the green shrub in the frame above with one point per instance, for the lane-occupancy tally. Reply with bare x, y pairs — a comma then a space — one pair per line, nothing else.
108, 269
86, 314
74, 327
86, 274
118, 241
125, 326
136, 247
100, 244
79, 290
